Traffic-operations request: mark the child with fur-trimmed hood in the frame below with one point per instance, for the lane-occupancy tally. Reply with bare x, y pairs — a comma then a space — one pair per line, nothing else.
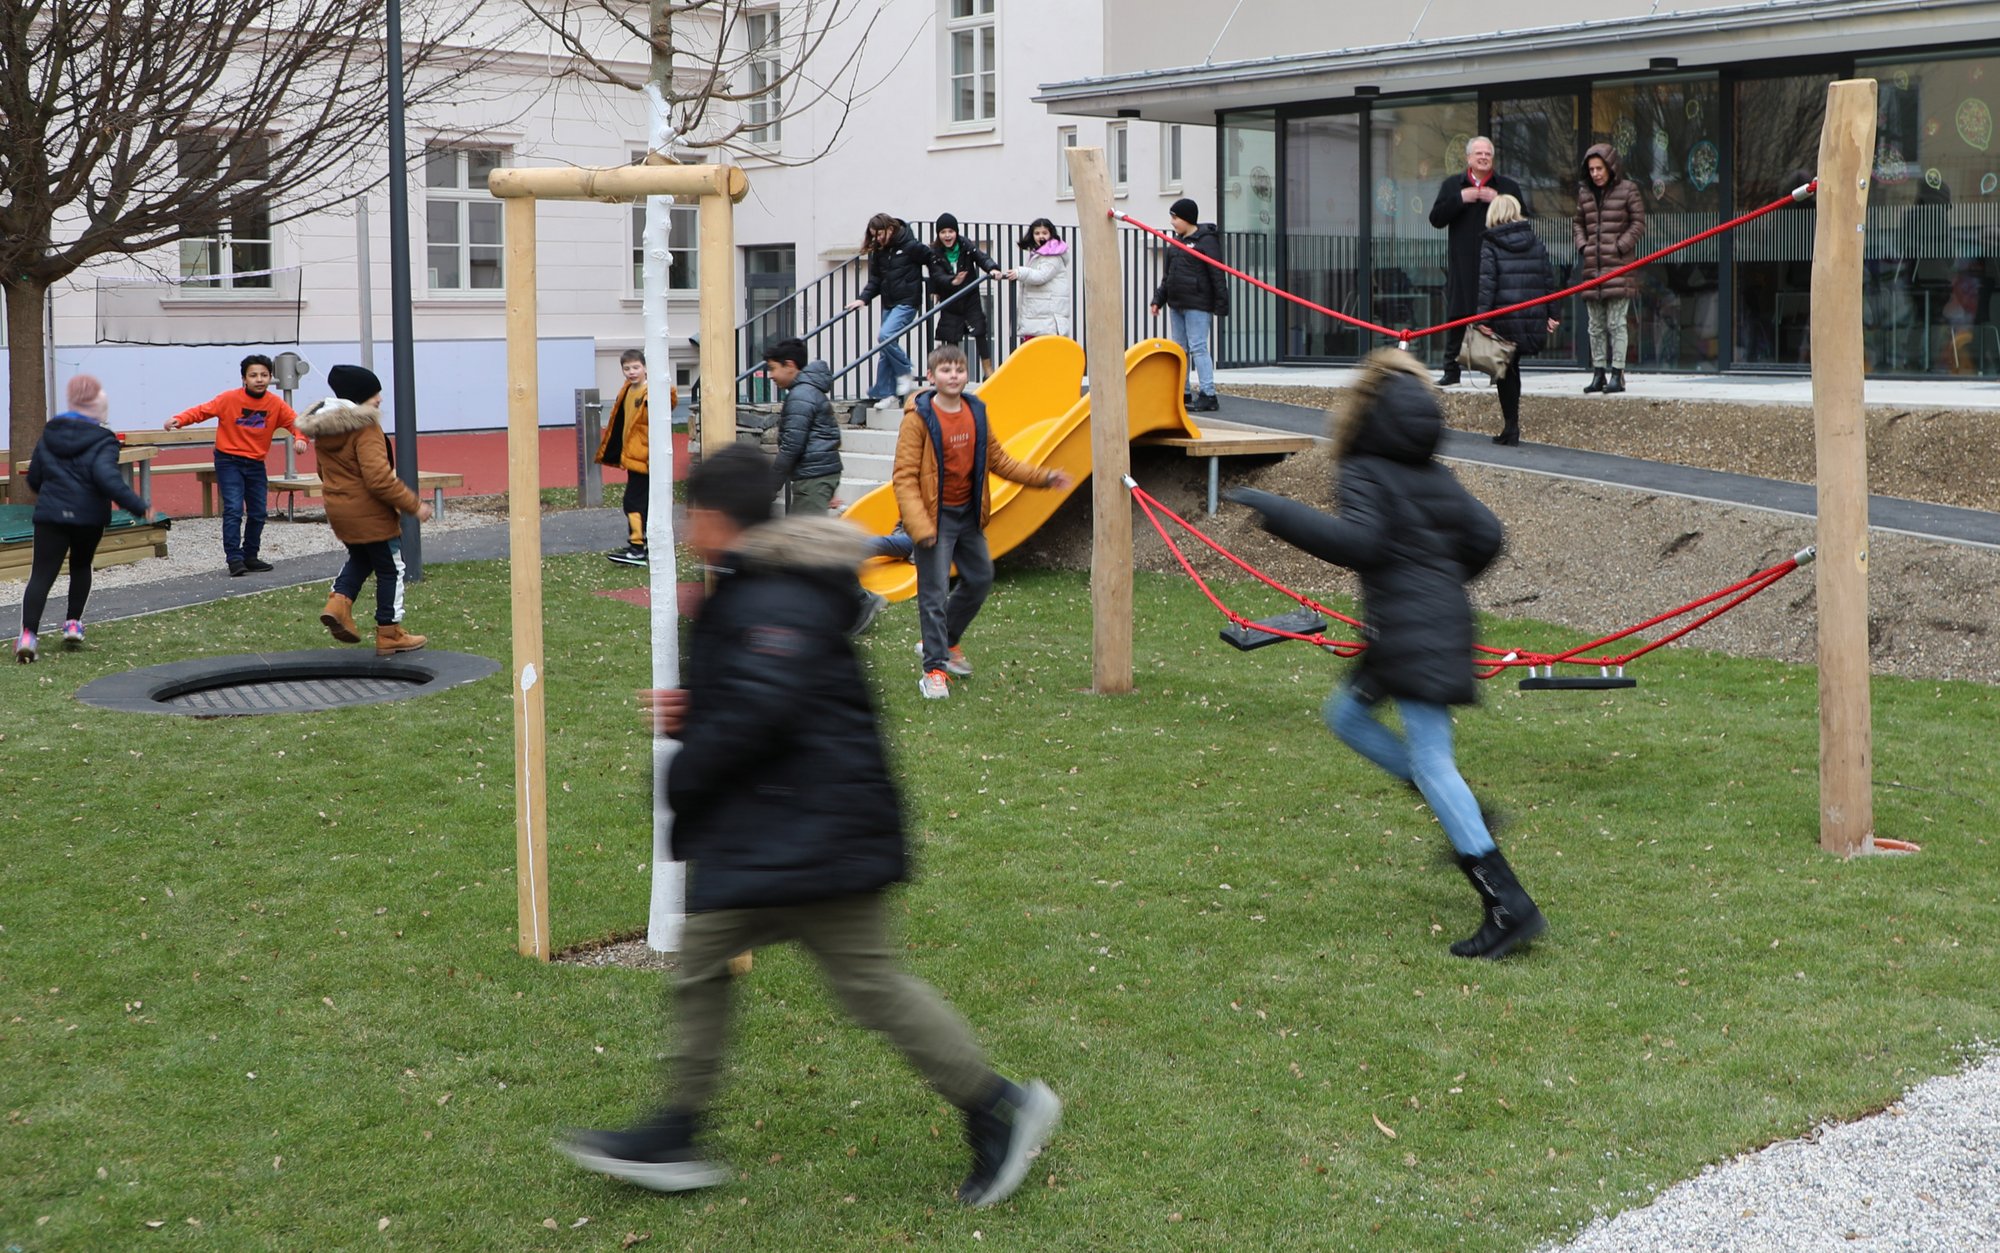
364, 499
1416, 537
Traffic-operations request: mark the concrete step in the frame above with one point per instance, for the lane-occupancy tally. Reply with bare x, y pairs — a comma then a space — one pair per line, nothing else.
875, 466
867, 441
853, 489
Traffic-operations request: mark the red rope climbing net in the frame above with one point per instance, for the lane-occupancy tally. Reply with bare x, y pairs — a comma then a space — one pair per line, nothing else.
1404, 336
1490, 660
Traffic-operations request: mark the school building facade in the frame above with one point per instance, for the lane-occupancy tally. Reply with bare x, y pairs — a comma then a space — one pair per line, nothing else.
1328, 161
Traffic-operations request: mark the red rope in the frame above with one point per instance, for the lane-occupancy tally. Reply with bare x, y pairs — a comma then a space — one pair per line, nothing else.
1405, 336
1497, 660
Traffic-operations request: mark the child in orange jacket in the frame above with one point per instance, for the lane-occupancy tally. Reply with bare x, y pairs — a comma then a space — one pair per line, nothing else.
245, 421
627, 443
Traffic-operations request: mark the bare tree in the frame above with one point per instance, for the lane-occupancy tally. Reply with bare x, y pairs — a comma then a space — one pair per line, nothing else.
128, 126
732, 71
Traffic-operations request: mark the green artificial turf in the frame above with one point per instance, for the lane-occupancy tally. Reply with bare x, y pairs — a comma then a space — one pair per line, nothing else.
258, 983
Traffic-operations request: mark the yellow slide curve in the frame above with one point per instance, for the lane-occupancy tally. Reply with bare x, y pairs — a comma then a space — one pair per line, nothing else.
1034, 407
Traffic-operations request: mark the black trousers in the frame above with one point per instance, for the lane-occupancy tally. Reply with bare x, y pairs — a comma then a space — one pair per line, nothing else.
954, 327
638, 495
53, 542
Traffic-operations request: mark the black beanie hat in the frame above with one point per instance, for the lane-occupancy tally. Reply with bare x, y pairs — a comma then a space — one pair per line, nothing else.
355, 384
945, 222
1186, 210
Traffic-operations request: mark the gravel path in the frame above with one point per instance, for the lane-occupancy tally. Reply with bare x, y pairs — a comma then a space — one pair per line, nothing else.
1923, 1175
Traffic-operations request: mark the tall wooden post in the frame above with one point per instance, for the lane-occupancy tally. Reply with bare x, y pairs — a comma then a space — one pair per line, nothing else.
1110, 434
718, 314
524, 536
1846, 756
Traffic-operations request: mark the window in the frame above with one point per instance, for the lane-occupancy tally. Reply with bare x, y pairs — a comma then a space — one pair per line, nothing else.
974, 61
462, 223
1065, 140
238, 258
766, 109
1170, 157
1118, 155
683, 248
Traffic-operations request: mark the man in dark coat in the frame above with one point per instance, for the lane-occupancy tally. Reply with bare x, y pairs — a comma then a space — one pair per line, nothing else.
788, 818
1416, 537
1460, 211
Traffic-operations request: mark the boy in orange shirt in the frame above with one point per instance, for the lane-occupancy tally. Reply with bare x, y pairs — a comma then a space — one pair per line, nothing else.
245, 421
944, 452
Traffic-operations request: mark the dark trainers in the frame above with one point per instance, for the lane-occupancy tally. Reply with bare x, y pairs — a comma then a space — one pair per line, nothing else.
659, 1154
237, 569
1004, 1138
630, 555
257, 566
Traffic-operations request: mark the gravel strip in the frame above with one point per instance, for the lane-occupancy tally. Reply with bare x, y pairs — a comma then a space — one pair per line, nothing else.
194, 546
1923, 1175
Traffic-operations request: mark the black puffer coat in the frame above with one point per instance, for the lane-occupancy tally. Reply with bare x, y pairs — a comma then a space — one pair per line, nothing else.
1463, 225
808, 432
971, 260
781, 789
1414, 535
75, 468
1190, 284
896, 273
1514, 266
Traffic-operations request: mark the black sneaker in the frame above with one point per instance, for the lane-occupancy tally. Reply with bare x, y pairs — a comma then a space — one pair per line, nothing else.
1004, 1137
238, 569
659, 1154
256, 566
630, 555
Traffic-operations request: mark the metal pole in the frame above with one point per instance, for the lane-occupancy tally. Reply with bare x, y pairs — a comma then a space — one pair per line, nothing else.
366, 286
403, 358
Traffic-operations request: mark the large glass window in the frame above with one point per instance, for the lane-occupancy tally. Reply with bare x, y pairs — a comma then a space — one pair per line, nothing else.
765, 107
239, 258
465, 242
1777, 146
1665, 132
1534, 143
1323, 233
974, 60
1412, 149
1249, 219
1934, 218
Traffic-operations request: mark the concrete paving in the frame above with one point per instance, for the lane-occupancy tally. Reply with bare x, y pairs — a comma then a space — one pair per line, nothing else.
1976, 394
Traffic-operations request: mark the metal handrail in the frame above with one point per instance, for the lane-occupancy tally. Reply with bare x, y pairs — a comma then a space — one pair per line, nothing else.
847, 312
923, 320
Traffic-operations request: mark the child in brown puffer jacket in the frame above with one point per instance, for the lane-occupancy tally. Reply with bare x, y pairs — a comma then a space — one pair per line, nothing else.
364, 497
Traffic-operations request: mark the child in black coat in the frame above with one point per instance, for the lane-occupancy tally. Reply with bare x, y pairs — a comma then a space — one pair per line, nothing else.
1416, 537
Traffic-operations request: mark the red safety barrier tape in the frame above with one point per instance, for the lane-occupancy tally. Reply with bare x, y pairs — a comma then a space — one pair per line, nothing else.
1794, 196
1493, 660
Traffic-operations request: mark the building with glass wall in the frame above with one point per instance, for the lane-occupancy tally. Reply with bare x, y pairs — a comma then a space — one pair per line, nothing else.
1328, 164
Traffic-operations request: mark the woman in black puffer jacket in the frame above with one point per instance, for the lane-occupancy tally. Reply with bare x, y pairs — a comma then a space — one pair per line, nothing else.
1513, 267
897, 264
1416, 537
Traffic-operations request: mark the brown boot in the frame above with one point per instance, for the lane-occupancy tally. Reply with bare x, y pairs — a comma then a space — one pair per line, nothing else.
338, 618
393, 639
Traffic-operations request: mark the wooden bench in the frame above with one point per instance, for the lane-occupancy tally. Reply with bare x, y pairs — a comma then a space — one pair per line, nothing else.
126, 540
1225, 439
432, 481
131, 462
202, 436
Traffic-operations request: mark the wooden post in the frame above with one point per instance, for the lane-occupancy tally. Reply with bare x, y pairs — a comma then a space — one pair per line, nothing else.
718, 315
524, 535
1110, 434
1846, 155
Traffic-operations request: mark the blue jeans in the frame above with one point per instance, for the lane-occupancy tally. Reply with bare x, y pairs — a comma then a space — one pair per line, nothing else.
1425, 759
1190, 329
892, 362
241, 482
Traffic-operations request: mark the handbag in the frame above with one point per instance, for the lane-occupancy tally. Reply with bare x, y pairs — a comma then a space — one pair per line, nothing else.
1487, 352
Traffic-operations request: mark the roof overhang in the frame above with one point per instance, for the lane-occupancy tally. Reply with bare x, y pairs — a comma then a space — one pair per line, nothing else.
1777, 30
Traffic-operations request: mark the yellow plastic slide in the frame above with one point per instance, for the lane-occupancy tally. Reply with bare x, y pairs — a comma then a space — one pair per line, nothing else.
1034, 407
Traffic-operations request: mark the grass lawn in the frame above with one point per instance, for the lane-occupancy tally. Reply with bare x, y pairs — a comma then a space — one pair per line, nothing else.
257, 979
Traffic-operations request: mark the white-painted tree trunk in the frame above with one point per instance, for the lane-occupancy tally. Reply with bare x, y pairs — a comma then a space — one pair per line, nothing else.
663, 926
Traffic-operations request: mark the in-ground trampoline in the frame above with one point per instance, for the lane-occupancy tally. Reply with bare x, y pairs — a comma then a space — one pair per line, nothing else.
282, 683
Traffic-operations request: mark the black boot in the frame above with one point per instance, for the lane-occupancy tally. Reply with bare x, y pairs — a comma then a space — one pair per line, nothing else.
1449, 378
1511, 917
1596, 383
1509, 435
1617, 383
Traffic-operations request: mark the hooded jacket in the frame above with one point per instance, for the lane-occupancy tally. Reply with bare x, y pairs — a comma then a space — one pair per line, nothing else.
357, 472
626, 442
896, 273
1514, 266
1044, 306
1187, 283
1610, 221
1407, 527
918, 480
75, 469
781, 790
808, 432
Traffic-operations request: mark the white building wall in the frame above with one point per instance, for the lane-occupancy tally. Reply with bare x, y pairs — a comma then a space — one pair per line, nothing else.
895, 152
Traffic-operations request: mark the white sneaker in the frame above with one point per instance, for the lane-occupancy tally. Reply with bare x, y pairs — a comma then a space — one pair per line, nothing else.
954, 660
935, 685
906, 384
888, 402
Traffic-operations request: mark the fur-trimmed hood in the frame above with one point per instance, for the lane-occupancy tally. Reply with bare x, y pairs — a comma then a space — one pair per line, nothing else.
1364, 397
334, 416
819, 546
